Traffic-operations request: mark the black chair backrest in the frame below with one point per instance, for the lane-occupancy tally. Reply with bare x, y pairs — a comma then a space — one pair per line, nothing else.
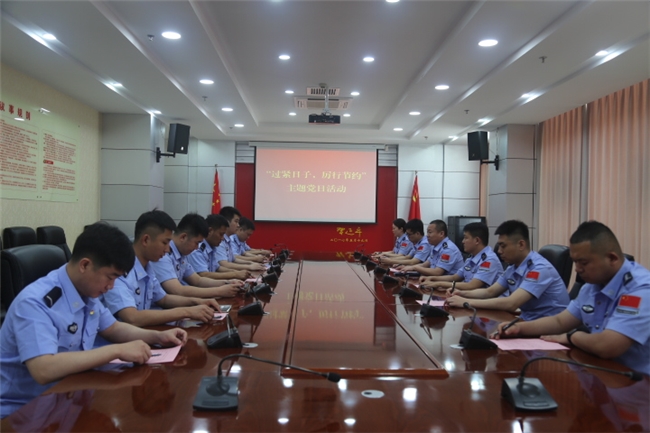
18, 236
22, 266
559, 257
580, 282
53, 235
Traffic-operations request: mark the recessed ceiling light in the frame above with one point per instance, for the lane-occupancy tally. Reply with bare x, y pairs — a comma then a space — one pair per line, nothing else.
171, 35
206, 81
117, 85
49, 37
284, 57
452, 136
611, 56
292, 114
239, 125
355, 93
392, 1
44, 110
602, 53
488, 42
346, 115
398, 129
20, 119
289, 92
226, 109
526, 95
414, 113
442, 87
368, 59
156, 112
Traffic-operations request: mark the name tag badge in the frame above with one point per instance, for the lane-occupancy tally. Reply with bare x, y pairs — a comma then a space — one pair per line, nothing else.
511, 281
588, 309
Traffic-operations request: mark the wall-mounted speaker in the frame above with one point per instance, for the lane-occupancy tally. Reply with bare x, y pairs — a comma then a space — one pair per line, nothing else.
478, 146
179, 138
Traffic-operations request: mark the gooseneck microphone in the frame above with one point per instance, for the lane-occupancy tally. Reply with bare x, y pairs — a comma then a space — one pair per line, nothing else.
526, 393
471, 340
221, 392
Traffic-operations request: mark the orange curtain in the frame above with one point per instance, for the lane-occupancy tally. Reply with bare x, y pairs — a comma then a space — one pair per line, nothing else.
414, 210
619, 167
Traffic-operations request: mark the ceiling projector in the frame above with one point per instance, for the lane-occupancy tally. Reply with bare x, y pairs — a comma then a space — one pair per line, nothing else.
324, 119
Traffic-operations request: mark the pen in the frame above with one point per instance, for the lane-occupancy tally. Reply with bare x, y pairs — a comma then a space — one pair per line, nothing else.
505, 328
156, 354
453, 287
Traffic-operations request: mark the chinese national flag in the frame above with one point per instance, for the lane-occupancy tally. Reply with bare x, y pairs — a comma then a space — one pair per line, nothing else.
414, 210
216, 194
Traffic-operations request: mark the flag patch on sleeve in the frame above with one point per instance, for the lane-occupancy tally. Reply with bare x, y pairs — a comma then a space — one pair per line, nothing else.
532, 276
486, 265
421, 247
629, 301
444, 258
404, 244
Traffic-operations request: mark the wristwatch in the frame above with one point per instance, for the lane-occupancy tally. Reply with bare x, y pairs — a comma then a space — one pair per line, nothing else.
570, 333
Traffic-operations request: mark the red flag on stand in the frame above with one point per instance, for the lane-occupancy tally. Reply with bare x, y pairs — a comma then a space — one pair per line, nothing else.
216, 194
414, 210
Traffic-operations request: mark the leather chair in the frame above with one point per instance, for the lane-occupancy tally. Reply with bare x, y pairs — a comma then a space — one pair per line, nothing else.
53, 235
22, 266
575, 289
559, 257
18, 236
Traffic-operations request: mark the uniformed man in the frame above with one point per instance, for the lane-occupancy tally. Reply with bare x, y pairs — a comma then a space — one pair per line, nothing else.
204, 258
175, 273
241, 249
444, 256
420, 252
51, 326
403, 246
225, 251
482, 269
134, 294
610, 317
531, 282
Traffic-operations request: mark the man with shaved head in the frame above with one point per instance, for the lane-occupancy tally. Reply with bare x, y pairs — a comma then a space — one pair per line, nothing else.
610, 317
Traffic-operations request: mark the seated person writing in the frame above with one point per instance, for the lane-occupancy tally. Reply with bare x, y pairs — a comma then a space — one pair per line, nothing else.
610, 317
532, 283
226, 250
420, 250
175, 273
50, 328
240, 247
403, 245
204, 258
482, 269
444, 257
134, 294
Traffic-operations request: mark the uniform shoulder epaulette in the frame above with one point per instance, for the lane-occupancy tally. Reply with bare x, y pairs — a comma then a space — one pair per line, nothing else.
52, 296
202, 247
627, 277
483, 256
444, 244
530, 262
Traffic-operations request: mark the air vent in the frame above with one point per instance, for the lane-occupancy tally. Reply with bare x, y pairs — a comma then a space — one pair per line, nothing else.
341, 103
321, 91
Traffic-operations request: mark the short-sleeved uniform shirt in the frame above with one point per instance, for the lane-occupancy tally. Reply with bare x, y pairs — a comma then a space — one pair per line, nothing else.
537, 276
623, 305
421, 250
204, 258
484, 266
238, 247
225, 250
447, 256
139, 289
47, 317
173, 265
403, 245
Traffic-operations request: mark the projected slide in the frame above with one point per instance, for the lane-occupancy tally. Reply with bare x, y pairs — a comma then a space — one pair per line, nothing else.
315, 185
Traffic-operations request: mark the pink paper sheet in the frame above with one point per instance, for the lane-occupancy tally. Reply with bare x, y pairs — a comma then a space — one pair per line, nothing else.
528, 344
158, 356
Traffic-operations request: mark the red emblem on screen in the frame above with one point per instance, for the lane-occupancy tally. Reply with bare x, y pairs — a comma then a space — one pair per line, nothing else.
486, 265
532, 276
629, 301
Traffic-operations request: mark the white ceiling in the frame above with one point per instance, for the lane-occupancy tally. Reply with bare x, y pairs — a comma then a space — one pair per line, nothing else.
416, 45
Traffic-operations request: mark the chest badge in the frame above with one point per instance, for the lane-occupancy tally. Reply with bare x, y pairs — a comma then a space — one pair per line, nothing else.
137, 291
511, 281
92, 312
178, 267
468, 268
73, 328
588, 309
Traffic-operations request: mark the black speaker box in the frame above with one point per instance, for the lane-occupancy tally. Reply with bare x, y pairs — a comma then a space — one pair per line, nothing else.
179, 138
478, 146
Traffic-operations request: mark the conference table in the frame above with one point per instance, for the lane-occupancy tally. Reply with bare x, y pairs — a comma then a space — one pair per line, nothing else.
400, 372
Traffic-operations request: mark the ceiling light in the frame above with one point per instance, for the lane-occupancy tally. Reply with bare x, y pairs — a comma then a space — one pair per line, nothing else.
292, 114
453, 137
117, 85
20, 119
110, 86
49, 37
368, 59
44, 110
602, 53
171, 35
156, 112
346, 115
392, 1
289, 92
414, 113
226, 109
284, 57
484, 121
355, 93
488, 42
442, 87
239, 125
283, 420
526, 95
398, 129
206, 81
610, 57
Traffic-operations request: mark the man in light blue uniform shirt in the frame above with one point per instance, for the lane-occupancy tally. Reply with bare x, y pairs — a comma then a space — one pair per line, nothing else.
444, 257
50, 328
133, 296
421, 248
482, 268
175, 273
532, 283
225, 251
610, 317
241, 248
403, 246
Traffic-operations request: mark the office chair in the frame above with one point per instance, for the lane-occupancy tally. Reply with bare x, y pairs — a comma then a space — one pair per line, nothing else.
53, 235
22, 266
18, 236
575, 289
558, 256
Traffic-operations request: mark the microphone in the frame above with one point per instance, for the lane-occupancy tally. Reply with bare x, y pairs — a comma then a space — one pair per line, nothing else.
407, 292
527, 393
428, 310
221, 392
254, 308
471, 340
228, 339
358, 251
